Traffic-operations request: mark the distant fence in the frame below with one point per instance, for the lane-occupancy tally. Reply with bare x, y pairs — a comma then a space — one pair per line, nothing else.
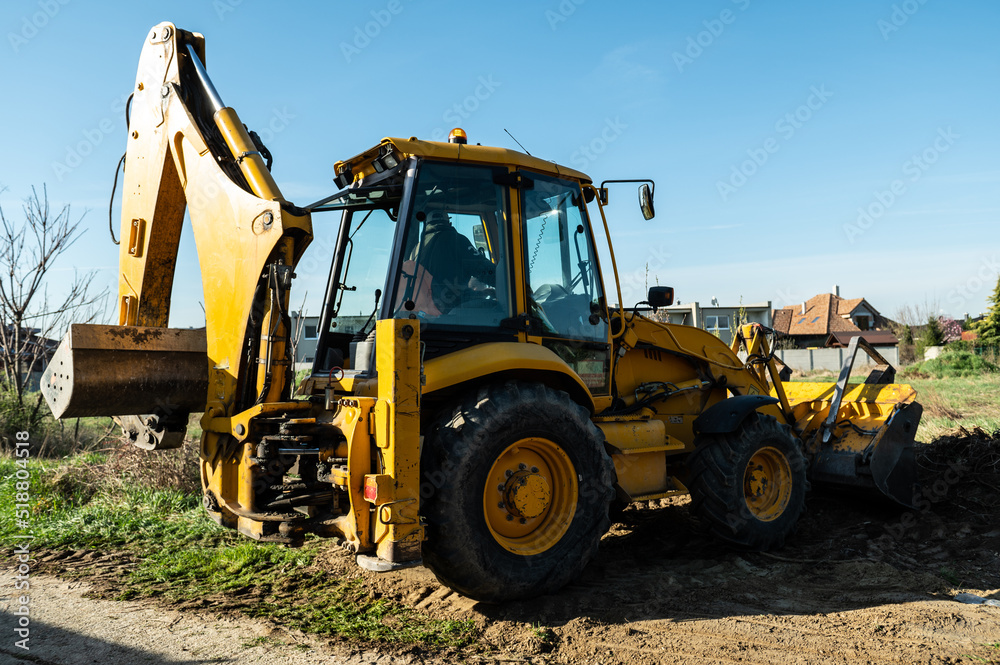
806, 360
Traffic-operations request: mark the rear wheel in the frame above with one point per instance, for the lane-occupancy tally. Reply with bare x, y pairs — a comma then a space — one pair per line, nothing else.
516, 487
748, 487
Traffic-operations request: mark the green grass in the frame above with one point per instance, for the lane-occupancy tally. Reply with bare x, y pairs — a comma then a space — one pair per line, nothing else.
954, 364
953, 402
949, 402
182, 555
67, 512
51, 437
820, 376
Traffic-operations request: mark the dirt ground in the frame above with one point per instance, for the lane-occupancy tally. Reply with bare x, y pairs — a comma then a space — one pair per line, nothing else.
862, 581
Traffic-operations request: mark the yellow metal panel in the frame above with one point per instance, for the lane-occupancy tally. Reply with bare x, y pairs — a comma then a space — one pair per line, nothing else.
351, 416
398, 533
644, 473
635, 435
360, 164
892, 393
485, 360
640, 449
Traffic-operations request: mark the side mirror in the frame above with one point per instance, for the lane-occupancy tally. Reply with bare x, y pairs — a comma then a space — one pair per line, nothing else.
660, 296
646, 201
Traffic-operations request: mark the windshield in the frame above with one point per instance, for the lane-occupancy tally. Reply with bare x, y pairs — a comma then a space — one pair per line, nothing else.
454, 263
366, 261
563, 283
359, 266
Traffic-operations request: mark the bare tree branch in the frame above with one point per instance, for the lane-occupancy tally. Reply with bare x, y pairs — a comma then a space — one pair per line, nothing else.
29, 320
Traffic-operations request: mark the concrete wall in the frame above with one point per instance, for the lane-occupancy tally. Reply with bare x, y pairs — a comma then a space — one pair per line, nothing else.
806, 360
932, 352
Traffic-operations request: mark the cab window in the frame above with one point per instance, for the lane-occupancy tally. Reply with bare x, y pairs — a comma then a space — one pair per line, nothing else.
454, 269
563, 287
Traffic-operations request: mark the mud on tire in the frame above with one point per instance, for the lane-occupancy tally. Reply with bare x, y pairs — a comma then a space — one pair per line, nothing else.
515, 490
748, 487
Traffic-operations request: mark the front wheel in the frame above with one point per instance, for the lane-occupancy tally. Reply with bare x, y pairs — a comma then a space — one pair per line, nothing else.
748, 487
515, 493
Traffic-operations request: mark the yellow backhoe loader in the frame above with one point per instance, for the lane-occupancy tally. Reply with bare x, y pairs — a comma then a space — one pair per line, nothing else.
476, 403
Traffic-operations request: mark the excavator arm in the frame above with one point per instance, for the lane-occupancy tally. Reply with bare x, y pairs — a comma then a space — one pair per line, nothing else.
187, 151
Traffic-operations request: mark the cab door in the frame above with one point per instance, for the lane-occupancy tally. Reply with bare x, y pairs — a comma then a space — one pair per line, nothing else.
564, 296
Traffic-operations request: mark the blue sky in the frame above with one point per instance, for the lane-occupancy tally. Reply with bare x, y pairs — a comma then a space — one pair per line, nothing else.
794, 145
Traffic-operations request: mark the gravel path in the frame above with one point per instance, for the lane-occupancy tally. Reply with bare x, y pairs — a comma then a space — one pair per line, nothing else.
68, 629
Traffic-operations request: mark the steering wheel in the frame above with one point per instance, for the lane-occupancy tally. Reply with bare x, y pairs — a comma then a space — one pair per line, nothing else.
534, 309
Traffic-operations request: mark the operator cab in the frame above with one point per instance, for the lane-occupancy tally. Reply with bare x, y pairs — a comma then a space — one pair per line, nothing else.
480, 249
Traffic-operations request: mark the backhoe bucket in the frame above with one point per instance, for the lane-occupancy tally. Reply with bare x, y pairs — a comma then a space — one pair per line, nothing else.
101, 370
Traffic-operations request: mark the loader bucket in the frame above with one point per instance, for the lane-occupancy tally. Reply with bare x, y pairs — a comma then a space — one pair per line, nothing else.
883, 459
860, 436
894, 464
101, 370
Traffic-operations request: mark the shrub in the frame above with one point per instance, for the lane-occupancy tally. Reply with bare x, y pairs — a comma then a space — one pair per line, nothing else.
959, 345
989, 327
933, 335
955, 363
49, 437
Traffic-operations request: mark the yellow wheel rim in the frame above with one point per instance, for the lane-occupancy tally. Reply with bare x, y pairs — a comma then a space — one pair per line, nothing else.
767, 484
530, 496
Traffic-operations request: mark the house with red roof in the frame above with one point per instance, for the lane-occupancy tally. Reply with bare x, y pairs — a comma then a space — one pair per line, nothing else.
827, 320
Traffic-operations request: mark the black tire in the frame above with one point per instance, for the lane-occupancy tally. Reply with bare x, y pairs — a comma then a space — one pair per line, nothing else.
728, 497
476, 441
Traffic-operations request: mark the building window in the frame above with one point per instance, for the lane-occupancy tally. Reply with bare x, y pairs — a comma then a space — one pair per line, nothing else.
717, 322
309, 331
